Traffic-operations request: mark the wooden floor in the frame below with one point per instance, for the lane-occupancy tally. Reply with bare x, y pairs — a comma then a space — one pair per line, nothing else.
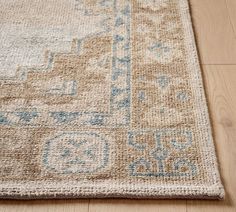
215, 27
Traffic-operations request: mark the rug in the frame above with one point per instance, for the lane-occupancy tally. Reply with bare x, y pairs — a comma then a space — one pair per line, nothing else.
103, 98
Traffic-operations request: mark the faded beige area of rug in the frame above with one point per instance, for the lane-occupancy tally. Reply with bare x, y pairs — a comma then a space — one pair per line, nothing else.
102, 98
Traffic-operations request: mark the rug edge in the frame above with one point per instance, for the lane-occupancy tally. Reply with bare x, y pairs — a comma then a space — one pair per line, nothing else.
25, 191
194, 62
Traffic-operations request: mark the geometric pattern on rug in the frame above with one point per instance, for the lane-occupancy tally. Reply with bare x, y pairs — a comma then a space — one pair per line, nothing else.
105, 96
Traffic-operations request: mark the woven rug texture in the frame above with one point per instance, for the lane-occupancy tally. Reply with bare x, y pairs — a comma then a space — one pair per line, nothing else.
103, 98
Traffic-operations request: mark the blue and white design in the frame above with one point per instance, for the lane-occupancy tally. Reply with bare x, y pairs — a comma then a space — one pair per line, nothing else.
163, 81
121, 61
76, 152
182, 96
21, 116
66, 88
120, 88
154, 162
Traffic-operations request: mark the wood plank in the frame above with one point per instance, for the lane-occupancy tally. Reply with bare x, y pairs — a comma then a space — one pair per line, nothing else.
231, 6
221, 89
44, 206
214, 32
137, 205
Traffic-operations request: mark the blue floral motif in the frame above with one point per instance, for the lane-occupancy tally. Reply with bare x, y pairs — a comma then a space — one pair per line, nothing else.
76, 152
97, 120
163, 81
124, 103
116, 91
182, 96
119, 22
105, 3
3, 119
117, 73
118, 38
141, 95
63, 117
160, 153
26, 116
159, 49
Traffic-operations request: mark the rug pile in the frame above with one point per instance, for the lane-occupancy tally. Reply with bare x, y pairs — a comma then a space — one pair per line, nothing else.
102, 98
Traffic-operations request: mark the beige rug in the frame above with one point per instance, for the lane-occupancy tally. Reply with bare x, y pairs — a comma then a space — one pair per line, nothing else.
102, 98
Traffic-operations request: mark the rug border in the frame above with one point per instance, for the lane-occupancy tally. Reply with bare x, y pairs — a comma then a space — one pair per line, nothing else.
200, 98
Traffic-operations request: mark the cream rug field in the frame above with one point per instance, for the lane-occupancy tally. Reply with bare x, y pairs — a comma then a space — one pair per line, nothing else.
102, 98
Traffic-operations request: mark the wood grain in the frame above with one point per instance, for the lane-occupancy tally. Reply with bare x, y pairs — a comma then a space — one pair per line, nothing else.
137, 205
221, 89
231, 7
45, 206
214, 31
